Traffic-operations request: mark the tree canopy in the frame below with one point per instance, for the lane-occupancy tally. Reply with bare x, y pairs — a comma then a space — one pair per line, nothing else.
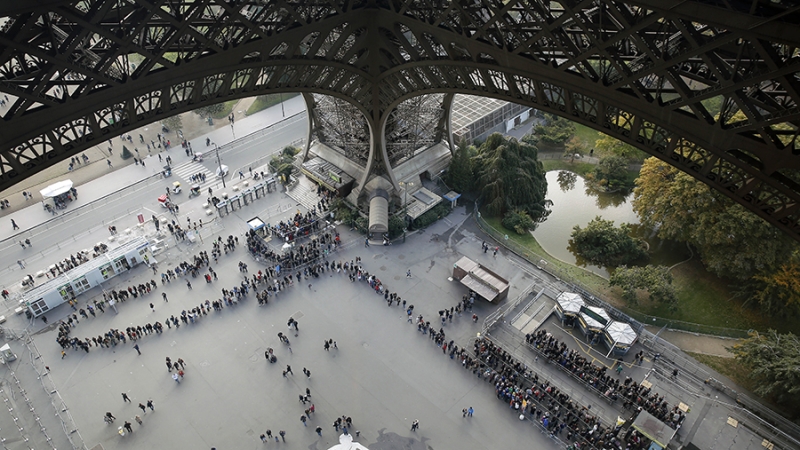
775, 362
731, 240
511, 177
459, 175
777, 293
554, 130
655, 280
611, 173
612, 146
174, 123
603, 244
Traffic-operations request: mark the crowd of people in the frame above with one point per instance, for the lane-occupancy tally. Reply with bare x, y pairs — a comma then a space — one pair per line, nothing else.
300, 225
299, 255
606, 386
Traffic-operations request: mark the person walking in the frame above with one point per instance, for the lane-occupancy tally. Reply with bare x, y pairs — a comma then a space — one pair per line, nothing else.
408, 273
128, 427
125, 398
303, 419
176, 378
138, 420
318, 430
14, 225
289, 369
21, 264
136, 347
152, 307
283, 435
150, 405
164, 295
470, 411
189, 284
414, 425
366, 240
143, 408
307, 372
269, 434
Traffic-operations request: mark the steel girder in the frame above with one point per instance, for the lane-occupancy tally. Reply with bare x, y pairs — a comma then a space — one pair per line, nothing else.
709, 86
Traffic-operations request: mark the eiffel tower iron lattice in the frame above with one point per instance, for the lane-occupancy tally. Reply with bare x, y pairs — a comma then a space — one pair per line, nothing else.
709, 86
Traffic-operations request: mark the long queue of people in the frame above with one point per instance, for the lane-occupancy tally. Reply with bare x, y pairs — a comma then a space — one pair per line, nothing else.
526, 393
634, 395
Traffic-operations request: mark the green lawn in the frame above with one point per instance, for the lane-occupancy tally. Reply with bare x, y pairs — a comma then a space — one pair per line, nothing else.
579, 167
263, 102
588, 135
227, 107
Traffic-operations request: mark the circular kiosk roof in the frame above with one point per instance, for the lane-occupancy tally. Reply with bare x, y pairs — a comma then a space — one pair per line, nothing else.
570, 302
621, 333
346, 443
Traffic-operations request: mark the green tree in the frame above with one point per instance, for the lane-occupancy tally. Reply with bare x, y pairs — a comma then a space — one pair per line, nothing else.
210, 110
774, 360
611, 146
603, 244
510, 176
731, 240
610, 173
574, 147
126, 154
655, 280
459, 175
554, 130
174, 123
283, 164
518, 221
777, 293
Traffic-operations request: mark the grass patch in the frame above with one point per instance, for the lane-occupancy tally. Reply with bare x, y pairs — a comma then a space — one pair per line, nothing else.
729, 367
227, 107
579, 167
263, 102
530, 249
588, 135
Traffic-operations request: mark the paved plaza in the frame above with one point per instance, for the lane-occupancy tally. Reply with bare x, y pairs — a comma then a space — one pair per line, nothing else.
384, 374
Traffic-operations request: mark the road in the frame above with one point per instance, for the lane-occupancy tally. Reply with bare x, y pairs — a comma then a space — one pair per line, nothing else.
87, 225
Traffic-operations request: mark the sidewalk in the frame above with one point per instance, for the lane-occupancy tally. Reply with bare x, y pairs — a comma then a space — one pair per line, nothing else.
34, 214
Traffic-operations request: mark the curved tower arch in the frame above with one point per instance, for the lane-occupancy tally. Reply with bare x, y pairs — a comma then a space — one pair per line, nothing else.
711, 88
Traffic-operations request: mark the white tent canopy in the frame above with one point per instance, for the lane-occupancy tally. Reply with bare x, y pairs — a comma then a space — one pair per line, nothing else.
56, 189
621, 333
570, 302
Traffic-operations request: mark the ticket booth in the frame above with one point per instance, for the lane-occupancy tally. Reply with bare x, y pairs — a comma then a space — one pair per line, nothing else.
592, 320
568, 306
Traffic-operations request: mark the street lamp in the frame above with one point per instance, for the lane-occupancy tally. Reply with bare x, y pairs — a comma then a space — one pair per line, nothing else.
283, 113
219, 163
405, 185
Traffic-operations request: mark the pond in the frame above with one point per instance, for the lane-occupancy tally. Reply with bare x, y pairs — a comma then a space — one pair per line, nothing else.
576, 204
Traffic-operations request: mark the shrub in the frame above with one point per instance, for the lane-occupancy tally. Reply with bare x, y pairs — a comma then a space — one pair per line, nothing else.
519, 221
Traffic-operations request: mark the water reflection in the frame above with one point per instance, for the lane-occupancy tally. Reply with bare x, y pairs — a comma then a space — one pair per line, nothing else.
576, 204
566, 180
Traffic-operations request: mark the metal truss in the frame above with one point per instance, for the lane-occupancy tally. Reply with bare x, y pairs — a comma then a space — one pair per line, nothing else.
710, 86
340, 125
